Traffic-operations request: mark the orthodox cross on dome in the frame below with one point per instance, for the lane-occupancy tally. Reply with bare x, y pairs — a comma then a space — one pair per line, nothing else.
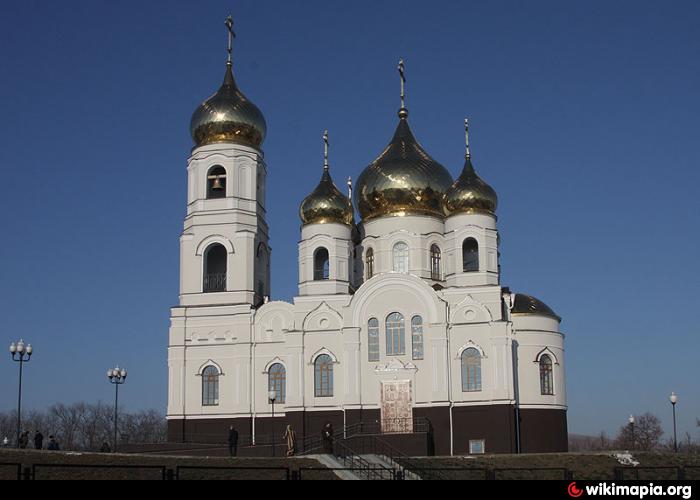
350, 187
466, 128
231, 36
402, 73
326, 145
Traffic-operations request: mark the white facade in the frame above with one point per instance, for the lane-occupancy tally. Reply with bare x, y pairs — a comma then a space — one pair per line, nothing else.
242, 338
410, 300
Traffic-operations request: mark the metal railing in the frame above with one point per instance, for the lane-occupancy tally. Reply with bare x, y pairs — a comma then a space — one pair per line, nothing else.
214, 283
235, 473
352, 460
376, 446
91, 467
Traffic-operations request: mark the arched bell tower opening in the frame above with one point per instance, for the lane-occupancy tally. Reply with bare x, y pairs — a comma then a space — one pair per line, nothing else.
216, 183
215, 268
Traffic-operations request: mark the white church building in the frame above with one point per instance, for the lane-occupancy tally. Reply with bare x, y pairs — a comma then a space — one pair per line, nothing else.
401, 322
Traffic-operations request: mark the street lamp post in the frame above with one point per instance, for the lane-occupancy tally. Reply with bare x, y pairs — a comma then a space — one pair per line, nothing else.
116, 376
631, 420
21, 353
272, 395
674, 400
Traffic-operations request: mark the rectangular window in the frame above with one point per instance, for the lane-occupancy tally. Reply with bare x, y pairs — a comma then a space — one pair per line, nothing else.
373, 340
417, 337
477, 447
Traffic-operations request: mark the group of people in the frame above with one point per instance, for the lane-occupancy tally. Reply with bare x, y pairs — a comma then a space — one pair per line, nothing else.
38, 441
289, 436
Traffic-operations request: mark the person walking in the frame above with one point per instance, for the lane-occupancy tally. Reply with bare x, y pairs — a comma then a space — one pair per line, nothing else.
24, 440
327, 436
291, 438
232, 441
38, 441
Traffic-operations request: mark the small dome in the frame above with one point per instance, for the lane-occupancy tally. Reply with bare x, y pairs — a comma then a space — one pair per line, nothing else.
228, 116
526, 304
403, 180
327, 205
470, 194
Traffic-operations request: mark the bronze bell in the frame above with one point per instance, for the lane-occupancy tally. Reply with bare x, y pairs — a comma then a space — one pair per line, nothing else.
218, 185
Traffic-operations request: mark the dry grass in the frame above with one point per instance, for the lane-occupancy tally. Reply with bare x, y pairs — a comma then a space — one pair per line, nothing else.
583, 466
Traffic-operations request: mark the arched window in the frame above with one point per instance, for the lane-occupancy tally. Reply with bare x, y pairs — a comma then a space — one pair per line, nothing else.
395, 335
470, 255
323, 376
401, 258
435, 257
373, 339
215, 262
417, 337
369, 263
321, 265
262, 270
471, 370
546, 376
277, 377
210, 386
216, 183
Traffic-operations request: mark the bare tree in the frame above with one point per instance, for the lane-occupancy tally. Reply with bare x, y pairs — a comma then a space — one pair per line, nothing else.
645, 435
85, 427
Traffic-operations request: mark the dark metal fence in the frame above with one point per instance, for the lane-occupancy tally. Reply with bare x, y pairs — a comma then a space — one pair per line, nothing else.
651, 473
17, 470
214, 283
232, 473
551, 473
86, 471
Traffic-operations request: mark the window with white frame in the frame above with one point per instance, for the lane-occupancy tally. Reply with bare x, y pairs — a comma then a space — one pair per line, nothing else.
395, 335
546, 376
477, 447
401, 258
323, 376
277, 377
471, 370
210, 386
417, 337
373, 339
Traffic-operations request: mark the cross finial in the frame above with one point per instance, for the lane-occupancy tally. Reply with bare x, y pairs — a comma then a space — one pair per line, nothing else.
350, 187
402, 73
231, 36
466, 128
326, 145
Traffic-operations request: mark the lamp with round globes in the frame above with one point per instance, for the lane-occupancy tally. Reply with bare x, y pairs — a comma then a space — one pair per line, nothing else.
20, 353
632, 421
674, 400
272, 396
116, 376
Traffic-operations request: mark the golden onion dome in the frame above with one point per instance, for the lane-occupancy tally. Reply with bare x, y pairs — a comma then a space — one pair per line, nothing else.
529, 305
228, 116
326, 205
470, 194
403, 180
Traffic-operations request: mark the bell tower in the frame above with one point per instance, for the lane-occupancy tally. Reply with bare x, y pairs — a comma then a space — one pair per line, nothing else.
225, 253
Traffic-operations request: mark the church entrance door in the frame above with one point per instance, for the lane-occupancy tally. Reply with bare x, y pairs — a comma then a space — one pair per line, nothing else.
397, 407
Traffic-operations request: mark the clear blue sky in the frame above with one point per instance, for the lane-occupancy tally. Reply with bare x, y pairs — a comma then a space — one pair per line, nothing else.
585, 120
